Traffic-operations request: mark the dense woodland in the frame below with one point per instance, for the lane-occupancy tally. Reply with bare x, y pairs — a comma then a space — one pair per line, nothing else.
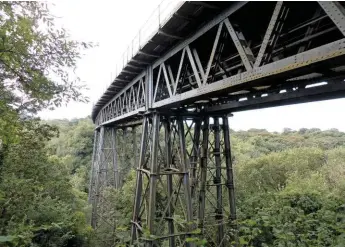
290, 186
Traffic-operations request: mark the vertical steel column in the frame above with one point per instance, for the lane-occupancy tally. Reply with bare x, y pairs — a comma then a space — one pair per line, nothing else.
123, 169
105, 152
98, 174
116, 173
195, 154
185, 170
149, 88
93, 164
139, 182
115, 164
230, 175
153, 175
170, 190
218, 183
203, 170
135, 148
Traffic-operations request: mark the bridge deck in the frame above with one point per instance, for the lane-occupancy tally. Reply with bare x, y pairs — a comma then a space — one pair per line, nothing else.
242, 56
185, 19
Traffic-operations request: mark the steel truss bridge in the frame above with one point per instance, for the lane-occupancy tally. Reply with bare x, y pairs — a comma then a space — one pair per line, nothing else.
208, 60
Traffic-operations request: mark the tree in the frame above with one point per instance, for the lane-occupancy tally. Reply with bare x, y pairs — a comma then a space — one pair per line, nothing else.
38, 204
36, 59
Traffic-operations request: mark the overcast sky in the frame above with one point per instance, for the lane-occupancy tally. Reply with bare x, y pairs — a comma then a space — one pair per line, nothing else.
113, 24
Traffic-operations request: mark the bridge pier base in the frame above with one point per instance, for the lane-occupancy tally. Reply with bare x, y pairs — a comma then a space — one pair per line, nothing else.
184, 185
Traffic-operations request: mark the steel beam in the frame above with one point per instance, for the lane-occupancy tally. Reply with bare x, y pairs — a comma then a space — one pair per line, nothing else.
244, 51
98, 174
148, 54
218, 183
183, 17
194, 155
304, 95
311, 29
198, 62
115, 163
139, 61
93, 167
149, 88
213, 51
294, 64
230, 177
163, 33
185, 169
227, 12
135, 147
268, 33
136, 221
203, 173
204, 4
135, 66
129, 72
336, 12
179, 70
124, 159
153, 176
121, 80
167, 80
195, 71
157, 82
170, 189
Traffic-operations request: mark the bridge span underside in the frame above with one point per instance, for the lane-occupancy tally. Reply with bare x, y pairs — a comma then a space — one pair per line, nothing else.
225, 57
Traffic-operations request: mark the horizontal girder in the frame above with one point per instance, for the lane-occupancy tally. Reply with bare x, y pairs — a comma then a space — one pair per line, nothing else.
227, 56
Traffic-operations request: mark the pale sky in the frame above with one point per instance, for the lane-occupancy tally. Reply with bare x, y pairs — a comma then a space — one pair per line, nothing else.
113, 25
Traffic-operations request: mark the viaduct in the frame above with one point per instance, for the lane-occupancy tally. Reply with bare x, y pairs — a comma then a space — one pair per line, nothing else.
179, 83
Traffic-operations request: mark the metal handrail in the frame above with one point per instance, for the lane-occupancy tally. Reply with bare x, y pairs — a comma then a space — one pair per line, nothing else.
157, 19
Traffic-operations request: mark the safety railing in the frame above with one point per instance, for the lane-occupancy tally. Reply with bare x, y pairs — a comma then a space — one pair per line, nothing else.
157, 19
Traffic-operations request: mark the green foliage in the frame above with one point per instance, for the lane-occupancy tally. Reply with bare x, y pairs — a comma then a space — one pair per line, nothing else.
73, 147
39, 203
36, 58
289, 188
295, 220
292, 196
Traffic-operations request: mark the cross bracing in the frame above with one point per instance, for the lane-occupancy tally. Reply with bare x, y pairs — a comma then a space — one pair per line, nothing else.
181, 89
227, 55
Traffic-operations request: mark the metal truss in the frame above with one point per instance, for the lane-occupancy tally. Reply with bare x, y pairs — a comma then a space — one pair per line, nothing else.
131, 99
162, 174
184, 178
187, 74
217, 197
104, 175
112, 161
185, 183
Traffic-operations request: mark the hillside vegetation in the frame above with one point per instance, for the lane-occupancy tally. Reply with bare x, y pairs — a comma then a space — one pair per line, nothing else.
290, 187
